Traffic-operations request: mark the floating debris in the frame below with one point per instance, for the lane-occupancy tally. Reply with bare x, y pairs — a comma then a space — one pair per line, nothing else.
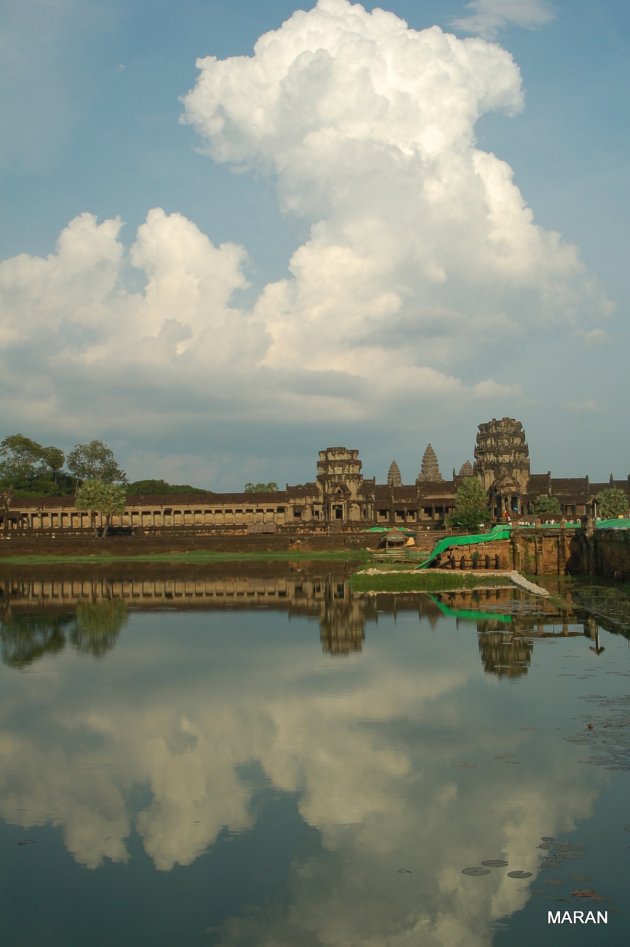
475, 871
564, 849
587, 893
404, 871
26, 841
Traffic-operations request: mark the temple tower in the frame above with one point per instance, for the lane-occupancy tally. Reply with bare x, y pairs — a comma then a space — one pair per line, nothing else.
340, 483
502, 464
430, 469
393, 476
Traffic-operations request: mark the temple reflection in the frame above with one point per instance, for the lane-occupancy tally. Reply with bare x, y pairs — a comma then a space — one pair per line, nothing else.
41, 613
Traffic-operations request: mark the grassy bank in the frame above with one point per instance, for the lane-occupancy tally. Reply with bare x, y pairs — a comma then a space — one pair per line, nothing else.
195, 557
424, 581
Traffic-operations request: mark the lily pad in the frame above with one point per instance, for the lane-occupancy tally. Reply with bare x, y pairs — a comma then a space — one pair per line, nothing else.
475, 871
519, 874
494, 863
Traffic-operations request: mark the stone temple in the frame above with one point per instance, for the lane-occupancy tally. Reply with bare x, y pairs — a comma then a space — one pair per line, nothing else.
341, 497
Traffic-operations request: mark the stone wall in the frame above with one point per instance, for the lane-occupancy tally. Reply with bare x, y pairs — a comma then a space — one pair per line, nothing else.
89, 545
533, 551
496, 555
547, 552
611, 553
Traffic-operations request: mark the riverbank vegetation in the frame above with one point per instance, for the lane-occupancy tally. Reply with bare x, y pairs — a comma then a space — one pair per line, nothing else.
197, 556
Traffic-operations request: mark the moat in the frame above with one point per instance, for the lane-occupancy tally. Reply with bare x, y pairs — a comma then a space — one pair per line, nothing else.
236, 756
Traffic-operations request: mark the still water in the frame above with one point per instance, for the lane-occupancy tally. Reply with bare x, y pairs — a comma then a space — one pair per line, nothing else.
266, 761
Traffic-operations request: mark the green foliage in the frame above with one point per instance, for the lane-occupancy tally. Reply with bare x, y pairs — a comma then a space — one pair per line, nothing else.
612, 503
195, 557
547, 506
61, 486
271, 487
422, 581
94, 461
27, 468
98, 496
471, 505
156, 487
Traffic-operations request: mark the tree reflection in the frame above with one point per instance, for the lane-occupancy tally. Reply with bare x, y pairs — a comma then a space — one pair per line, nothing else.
92, 629
27, 638
98, 625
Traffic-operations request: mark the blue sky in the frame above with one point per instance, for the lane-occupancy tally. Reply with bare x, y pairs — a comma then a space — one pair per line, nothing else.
363, 233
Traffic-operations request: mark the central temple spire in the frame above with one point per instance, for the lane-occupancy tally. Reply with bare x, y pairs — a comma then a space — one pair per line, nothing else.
430, 469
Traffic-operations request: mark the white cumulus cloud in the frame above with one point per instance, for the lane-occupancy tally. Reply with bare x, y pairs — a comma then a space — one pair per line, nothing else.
421, 254
369, 128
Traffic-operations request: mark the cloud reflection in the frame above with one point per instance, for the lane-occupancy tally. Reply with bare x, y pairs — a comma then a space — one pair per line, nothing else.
405, 756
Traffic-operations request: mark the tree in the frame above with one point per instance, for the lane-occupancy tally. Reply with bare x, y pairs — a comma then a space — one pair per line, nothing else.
471, 505
546, 506
612, 503
94, 461
28, 467
148, 487
106, 499
271, 487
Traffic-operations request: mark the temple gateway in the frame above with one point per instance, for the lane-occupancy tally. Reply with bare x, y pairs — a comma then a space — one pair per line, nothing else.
340, 497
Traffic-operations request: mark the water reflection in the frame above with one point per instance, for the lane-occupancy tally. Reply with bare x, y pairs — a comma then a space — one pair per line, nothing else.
407, 762
41, 614
92, 627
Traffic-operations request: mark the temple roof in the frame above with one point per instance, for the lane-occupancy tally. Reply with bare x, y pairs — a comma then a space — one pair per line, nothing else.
569, 486
437, 488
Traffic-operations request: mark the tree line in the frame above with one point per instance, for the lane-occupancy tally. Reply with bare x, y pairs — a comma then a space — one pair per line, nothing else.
29, 468
90, 472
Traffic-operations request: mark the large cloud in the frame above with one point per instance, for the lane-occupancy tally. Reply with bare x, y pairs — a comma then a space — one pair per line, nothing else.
369, 127
422, 261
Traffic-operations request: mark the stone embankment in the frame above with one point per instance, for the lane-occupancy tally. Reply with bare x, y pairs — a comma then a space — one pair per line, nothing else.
528, 586
90, 545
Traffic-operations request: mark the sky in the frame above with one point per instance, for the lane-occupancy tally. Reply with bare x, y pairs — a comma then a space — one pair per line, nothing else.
235, 234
